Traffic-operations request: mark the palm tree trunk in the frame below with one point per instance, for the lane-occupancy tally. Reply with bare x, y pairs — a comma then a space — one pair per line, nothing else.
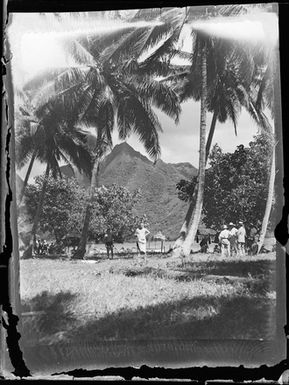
27, 177
211, 134
28, 251
80, 252
186, 248
184, 229
268, 203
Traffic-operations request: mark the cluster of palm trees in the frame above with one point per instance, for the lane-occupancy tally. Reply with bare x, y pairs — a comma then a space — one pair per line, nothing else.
119, 78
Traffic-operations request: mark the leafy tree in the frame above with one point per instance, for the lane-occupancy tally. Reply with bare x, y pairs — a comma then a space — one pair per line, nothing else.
113, 208
50, 139
237, 184
62, 208
66, 202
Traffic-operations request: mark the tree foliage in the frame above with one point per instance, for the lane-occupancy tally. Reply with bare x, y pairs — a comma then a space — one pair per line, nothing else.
65, 204
113, 207
62, 206
236, 184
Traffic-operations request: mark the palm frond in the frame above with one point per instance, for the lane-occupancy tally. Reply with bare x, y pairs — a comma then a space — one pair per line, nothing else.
233, 111
148, 14
259, 117
135, 114
154, 68
167, 49
160, 95
97, 44
80, 54
68, 82
146, 126
150, 37
42, 78
123, 48
76, 152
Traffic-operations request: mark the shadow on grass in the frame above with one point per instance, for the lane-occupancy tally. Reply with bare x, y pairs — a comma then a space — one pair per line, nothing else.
257, 276
46, 315
233, 268
199, 318
147, 270
220, 268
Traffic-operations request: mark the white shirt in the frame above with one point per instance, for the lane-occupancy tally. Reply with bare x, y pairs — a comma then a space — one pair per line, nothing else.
233, 231
141, 234
224, 234
241, 234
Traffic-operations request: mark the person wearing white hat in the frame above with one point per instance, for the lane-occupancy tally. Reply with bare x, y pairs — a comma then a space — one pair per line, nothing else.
233, 239
241, 235
224, 241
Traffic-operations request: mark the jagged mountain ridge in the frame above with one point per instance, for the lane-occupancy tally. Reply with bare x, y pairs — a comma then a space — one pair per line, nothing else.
157, 181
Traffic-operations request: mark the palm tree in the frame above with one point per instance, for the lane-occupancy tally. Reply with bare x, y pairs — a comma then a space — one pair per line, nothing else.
267, 83
193, 87
34, 132
227, 87
202, 150
51, 141
98, 147
105, 89
230, 72
26, 123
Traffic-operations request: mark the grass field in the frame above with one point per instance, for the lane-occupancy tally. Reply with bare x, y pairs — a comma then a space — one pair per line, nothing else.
208, 298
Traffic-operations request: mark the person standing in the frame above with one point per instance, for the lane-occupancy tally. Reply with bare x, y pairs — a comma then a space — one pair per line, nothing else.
241, 236
108, 240
233, 239
141, 234
224, 241
251, 238
205, 243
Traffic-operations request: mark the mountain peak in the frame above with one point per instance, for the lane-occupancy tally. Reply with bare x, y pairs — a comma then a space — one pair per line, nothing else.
125, 148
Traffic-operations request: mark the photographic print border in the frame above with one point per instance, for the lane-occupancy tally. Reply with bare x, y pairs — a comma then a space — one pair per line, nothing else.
196, 352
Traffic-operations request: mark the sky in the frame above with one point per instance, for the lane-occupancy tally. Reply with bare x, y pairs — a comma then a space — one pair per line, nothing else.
34, 46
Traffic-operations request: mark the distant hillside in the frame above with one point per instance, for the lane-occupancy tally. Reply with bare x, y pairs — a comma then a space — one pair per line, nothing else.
129, 168
186, 169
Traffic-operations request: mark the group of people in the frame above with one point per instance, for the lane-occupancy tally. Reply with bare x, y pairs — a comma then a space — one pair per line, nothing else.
42, 247
232, 240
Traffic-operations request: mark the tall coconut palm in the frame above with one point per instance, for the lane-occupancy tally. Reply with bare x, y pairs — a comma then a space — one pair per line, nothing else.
224, 99
227, 92
25, 124
51, 141
232, 69
267, 83
202, 150
98, 147
105, 90
34, 132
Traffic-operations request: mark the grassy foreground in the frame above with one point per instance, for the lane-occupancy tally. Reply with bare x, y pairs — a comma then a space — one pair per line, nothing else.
209, 297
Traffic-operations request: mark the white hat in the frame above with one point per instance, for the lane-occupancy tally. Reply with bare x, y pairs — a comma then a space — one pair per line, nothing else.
240, 222
231, 224
224, 227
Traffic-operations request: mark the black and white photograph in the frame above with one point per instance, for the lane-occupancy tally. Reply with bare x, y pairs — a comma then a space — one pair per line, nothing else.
148, 152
